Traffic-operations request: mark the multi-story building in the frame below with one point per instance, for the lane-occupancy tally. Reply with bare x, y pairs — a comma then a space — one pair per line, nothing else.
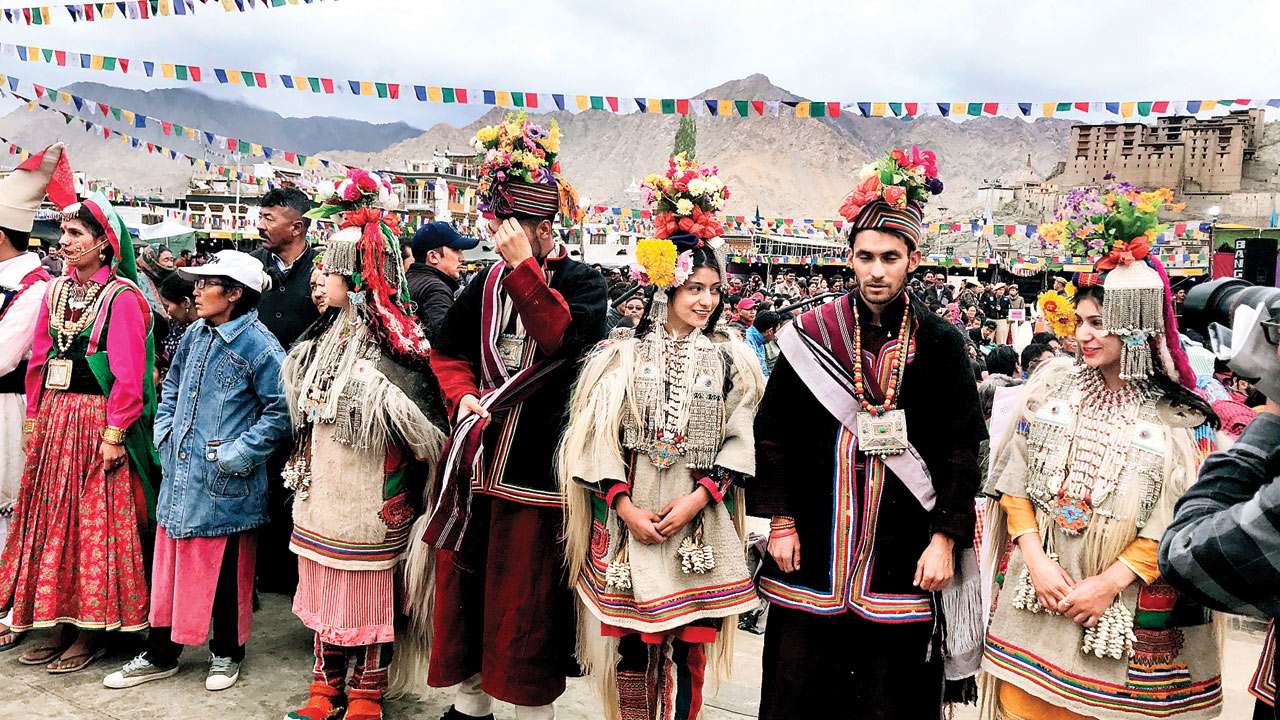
1187, 154
442, 188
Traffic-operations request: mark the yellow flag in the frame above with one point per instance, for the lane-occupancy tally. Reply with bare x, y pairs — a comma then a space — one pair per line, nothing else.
802, 109
44, 15
583, 102
1208, 105
164, 7
108, 10
33, 54
95, 61
166, 71
655, 106
879, 109
228, 5
1127, 108
64, 96
128, 116
300, 84
503, 98
366, 87
959, 108
255, 149
190, 133
1049, 108
724, 107
434, 94
233, 76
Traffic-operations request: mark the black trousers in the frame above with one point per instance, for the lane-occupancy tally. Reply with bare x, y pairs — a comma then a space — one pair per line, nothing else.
842, 666
224, 636
277, 565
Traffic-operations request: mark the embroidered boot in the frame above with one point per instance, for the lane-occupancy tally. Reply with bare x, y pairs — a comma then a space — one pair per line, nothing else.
325, 702
363, 704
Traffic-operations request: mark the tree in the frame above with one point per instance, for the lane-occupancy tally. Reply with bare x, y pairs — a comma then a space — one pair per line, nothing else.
686, 138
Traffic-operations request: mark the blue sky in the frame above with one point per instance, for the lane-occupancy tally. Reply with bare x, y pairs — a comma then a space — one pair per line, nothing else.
925, 50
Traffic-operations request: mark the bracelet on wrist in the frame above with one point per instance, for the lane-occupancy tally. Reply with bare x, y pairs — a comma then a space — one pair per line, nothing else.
781, 533
113, 435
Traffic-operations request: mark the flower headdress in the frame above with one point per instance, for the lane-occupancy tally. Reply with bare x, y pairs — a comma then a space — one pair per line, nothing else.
520, 170
1117, 225
366, 250
892, 192
684, 201
897, 179
1059, 312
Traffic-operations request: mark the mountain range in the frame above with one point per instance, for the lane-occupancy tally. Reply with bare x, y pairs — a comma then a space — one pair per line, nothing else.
780, 165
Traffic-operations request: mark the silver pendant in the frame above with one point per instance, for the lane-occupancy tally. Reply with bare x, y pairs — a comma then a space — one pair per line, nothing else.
884, 434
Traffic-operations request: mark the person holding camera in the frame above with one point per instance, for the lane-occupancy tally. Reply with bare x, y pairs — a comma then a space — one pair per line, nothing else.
1086, 480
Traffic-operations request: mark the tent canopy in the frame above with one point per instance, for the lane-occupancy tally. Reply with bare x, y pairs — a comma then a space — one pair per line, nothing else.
175, 235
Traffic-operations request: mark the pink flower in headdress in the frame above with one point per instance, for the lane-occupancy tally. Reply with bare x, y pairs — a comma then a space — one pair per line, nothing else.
350, 192
684, 267
895, 195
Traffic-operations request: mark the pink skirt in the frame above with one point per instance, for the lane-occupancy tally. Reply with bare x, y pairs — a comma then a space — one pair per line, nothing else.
184, 581
346, 607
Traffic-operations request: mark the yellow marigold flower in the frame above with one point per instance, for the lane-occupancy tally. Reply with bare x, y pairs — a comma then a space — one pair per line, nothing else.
658, 258
487, 135
552, 142
1059, 313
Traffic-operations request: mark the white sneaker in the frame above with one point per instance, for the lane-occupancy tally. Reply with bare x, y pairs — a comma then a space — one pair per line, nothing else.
137, 671
223, 673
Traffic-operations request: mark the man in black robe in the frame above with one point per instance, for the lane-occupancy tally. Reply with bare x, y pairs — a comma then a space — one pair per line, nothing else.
863, 547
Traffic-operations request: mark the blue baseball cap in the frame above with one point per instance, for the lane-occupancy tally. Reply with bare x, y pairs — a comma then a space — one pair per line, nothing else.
438, 234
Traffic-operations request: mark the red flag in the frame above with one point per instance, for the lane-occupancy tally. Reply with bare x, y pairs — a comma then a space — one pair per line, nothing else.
193, 72
460, 94
327, 84
1082, 106
39, 89
531, 100
911, 108
260, 79
166, 127
758, 106
88, 12
833, 109
124, 64
1160, 106
150, 148
104, 109
991, 108
26, 14
682, 107
231, 144
143, 10
613, 102
61, 57
393, 91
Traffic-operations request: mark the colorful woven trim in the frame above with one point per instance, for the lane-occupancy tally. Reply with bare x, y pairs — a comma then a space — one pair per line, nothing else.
1263, 684
389, 549
880, 215
1158, 697
529, 199
852, 560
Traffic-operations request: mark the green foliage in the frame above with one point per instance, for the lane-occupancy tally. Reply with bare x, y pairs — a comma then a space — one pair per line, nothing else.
686, 138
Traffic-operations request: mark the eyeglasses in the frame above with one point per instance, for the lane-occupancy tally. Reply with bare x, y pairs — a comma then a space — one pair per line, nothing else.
1271, 331
203, 283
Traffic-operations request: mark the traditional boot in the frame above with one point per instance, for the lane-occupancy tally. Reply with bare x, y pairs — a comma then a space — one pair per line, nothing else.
324, 703
364, 704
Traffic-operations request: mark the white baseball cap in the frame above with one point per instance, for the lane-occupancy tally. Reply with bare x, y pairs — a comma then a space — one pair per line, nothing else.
241, 267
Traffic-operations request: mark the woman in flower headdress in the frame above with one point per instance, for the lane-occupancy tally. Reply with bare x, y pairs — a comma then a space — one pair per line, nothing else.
367, 414
658, 443
1087, 480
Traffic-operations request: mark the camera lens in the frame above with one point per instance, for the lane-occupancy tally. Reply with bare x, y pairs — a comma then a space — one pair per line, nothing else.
1217, 301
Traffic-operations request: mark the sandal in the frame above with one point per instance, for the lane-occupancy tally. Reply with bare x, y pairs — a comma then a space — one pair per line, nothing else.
44, 654
83, 660
10, 639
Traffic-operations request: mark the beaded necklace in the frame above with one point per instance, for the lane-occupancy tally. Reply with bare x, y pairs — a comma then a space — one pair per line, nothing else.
897, 362
69, 316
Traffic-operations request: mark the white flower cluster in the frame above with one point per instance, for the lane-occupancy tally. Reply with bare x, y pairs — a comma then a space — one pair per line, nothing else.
618, 575
696, 558
1113, 636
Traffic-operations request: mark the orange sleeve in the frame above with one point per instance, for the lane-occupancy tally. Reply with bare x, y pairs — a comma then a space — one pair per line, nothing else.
1020, 515
1140, 557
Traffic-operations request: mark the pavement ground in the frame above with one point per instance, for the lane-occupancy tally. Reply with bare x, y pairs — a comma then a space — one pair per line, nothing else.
275, 674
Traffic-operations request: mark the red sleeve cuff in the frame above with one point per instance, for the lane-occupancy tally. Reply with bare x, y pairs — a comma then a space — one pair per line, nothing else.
456, 379
716, 488
545, 314
615, 490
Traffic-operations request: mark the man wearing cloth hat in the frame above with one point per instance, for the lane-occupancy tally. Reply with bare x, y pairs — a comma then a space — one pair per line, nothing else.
74, 555
506, 358
433, 276
867, 464
22, 284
